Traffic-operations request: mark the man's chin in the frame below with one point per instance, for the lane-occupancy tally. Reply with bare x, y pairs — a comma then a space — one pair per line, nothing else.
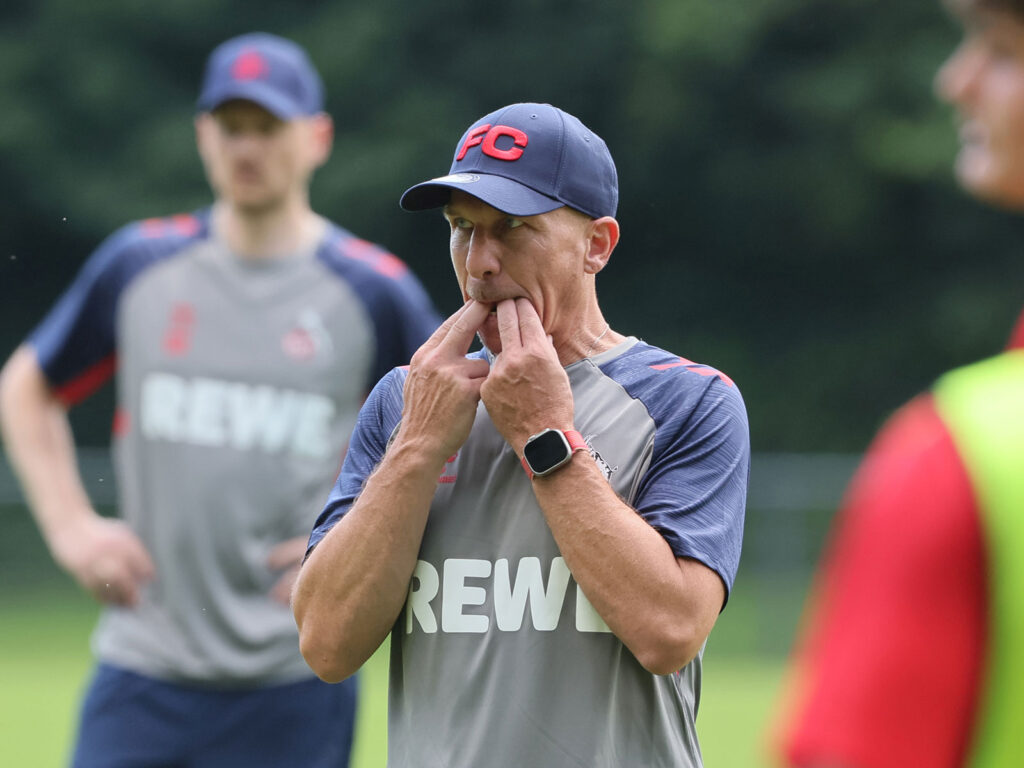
985, 183
253, 202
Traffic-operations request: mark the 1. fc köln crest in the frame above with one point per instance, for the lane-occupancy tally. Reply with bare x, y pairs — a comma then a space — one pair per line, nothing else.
308, 338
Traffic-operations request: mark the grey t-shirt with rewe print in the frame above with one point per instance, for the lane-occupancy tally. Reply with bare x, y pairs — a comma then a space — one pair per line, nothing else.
238, 384
498, 658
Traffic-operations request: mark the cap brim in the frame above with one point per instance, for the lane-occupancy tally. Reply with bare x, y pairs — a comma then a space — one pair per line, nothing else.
504, 194
256, 92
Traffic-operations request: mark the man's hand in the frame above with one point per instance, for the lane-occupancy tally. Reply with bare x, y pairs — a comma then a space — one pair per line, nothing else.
527, 389
286, 557
443, 387
105, 556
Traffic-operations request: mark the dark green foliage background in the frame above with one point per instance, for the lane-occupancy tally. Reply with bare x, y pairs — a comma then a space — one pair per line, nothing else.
788, 210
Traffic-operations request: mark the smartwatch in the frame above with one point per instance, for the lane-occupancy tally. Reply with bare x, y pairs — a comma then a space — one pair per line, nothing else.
551, 449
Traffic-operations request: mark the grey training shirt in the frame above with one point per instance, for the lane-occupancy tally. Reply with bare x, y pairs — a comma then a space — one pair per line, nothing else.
238, 384
498, 658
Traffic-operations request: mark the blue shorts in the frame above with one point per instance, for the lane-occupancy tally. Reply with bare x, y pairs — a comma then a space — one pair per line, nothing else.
132, 721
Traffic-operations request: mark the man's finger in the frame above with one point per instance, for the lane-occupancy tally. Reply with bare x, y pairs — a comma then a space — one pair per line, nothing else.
282, 589
442, 330
508, 324
459, 328
465, 323
287, 553
139, 563
115, 584
476, 369
531, 328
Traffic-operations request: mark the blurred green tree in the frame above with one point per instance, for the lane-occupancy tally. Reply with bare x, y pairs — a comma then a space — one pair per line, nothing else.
787, 203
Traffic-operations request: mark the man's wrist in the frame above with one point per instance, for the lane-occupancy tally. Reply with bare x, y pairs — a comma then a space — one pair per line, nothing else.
414, 457
549, 450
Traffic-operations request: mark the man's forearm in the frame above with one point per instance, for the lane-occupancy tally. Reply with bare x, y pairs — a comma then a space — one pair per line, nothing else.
351, 589
103, 555
661, 607
40, 446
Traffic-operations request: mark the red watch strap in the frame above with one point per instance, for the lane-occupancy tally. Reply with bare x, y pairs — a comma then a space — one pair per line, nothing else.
576, 443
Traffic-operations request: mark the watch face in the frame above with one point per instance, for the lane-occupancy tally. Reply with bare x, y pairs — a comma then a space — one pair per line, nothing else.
546, 451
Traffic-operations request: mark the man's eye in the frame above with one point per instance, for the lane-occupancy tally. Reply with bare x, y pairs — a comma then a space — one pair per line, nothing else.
513, 223
460, 223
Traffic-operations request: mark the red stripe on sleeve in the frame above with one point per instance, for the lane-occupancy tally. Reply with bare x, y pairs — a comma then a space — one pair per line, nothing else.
382, 262
87, 382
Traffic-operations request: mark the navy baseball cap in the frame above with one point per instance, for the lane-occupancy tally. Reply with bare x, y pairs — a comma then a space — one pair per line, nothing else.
265, 69
527, 159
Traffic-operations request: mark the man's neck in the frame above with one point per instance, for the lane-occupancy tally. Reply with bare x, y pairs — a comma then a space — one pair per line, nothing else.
266, 234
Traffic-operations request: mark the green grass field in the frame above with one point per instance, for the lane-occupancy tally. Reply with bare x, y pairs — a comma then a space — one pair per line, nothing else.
44, 663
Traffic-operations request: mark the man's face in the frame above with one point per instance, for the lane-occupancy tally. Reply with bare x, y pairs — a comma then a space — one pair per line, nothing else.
541, 258
984, 80
255, 160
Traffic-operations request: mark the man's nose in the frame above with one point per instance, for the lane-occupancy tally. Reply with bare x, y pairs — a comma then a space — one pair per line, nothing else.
958, 74
484, 256
247, 143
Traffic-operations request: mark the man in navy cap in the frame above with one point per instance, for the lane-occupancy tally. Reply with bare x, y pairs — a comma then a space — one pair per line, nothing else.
549, 527
244, 338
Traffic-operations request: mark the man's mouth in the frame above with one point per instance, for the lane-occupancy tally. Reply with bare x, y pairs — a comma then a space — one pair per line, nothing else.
970, 134
247, 172
493, 303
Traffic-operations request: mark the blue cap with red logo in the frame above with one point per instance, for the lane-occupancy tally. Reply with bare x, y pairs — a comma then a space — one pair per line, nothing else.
527, 159
265, 69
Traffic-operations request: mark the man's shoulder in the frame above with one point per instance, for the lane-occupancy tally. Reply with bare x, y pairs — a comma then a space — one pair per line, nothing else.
144, 241
352, 257
138, 245
672, 388
166, 231
644, 367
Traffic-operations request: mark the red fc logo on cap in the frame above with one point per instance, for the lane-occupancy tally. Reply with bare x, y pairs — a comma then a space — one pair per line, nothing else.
249, 65
487, 137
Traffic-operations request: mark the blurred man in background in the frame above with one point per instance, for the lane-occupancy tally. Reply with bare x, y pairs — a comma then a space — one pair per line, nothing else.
566, 467
914, 653
245, 337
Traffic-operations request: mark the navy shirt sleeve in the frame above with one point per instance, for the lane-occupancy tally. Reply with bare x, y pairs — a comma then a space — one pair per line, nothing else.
79, 333
401, 311
377, 420
694, 490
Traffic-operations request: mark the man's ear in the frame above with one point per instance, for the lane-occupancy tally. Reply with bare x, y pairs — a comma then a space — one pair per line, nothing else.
604, 236
203, 126
322, 133
201, 129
